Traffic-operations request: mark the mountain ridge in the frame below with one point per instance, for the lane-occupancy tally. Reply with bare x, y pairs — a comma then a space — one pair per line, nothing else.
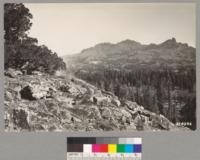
132, 42
131, 53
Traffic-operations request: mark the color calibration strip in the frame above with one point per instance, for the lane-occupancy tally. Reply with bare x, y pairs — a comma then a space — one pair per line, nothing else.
83, 148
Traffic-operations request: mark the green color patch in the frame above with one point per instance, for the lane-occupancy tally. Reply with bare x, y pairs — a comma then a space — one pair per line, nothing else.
120, 148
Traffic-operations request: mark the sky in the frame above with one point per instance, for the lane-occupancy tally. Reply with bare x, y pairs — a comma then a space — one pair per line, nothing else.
68, 28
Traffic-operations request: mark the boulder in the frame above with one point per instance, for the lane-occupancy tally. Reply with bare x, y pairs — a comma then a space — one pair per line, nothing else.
7, 120
101, 100
139, 123
165, 123
131, 105
67, 101
17, 89
60, 73
53, 127
97, 92
8, 95
90, 127
12, 73
139, 109
93, 112
126, 113
117, 114
106, 125
106, 113
39, 127
116, 102
159, 121
64, 88
76, 120
74, 90
65, 116
123, 119
26, 93
38, 73
36, 91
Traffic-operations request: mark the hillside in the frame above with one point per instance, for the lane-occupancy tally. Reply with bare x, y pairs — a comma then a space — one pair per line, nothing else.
42, 102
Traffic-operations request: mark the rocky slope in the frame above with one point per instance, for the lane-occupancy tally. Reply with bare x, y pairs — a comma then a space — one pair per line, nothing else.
41, 102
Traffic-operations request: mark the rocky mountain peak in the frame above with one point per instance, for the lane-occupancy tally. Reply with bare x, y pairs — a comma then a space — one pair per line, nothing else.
171, 43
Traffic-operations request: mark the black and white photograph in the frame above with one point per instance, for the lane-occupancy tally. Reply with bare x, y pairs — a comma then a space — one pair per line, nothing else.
81, 67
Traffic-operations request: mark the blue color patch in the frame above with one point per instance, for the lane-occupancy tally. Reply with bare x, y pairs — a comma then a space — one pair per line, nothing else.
129, 148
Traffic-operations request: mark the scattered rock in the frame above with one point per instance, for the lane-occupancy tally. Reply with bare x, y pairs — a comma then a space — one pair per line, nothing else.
38, 73
65, 116
101, 100
50, 103
36, 91
12, 73
131, 105
68, 102
64, 88
94, 113
105, 125
17, 91
106, 113
126, 113
26, 93
139, 123
8, 96
39, 127
117, 113
123, 119
52, 127
116, 102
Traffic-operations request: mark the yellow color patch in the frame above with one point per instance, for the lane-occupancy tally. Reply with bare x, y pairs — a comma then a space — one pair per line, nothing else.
112, 148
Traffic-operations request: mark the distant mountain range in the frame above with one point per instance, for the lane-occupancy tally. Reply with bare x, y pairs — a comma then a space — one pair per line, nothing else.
129, 54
